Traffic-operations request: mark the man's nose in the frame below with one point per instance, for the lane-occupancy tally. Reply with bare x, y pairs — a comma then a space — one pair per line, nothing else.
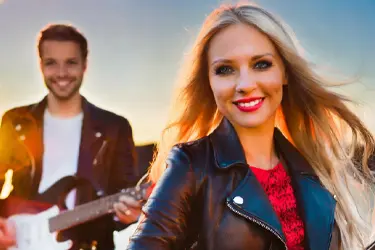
63, 71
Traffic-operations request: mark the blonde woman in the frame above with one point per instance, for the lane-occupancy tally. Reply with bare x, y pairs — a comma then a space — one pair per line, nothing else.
256, 157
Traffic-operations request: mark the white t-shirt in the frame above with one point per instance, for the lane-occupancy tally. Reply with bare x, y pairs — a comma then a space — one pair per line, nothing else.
61, 139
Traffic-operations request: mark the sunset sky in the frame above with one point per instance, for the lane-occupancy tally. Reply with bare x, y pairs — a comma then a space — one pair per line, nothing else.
137, 45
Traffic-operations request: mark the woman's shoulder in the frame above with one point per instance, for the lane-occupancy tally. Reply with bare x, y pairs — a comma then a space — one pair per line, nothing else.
191, 153
184, 166
193, 148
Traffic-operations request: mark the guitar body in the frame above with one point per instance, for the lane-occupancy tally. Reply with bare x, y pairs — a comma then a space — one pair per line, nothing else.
41, 225
15, 205
121, 238
31, 218
55, 195
32, 231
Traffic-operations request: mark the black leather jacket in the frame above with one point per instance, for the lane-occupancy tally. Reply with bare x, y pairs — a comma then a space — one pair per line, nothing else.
194, 203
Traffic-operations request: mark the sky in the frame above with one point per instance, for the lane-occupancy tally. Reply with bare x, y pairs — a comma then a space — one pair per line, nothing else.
136, 47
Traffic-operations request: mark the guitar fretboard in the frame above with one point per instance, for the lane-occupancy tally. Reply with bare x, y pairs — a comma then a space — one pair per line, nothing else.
83, 213
90, 211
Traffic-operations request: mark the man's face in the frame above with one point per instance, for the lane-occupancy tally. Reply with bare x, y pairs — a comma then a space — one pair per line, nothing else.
63, 68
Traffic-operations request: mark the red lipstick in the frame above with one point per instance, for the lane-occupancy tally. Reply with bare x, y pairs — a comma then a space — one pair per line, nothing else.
249, 104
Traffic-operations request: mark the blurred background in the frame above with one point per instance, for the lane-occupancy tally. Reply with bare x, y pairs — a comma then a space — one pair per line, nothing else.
136, 47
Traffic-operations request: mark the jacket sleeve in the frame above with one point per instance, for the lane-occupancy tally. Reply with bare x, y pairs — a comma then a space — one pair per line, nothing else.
124, 172
164, 224
3, 148
11, 155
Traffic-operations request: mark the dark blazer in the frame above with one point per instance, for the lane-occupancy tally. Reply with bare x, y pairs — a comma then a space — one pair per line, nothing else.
208, 198
106, 154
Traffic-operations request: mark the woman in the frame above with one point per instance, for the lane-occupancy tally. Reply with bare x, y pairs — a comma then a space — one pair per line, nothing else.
259, 160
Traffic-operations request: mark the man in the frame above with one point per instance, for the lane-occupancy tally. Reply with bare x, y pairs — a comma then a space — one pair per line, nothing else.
65, 135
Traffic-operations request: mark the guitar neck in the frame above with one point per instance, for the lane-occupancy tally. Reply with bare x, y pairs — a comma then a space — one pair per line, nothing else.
83, 213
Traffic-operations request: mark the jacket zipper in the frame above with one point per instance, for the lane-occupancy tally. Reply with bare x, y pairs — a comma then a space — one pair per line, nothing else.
259, 223
98, 154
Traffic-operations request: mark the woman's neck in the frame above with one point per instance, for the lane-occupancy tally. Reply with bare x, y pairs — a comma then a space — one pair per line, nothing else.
258, 145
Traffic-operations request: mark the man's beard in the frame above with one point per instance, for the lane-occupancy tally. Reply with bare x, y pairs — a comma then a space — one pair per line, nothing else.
65, 96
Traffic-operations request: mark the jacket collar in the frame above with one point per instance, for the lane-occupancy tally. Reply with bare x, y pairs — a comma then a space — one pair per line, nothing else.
228, 150
92, 138
91, 123
38, 109
315, 203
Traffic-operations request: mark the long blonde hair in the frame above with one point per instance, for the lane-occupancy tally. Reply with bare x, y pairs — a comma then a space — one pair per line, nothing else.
314, 119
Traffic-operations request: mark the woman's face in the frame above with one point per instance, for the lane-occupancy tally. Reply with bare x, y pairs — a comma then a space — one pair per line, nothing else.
246, 75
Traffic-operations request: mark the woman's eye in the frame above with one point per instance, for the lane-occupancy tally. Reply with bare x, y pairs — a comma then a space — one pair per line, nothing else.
261, 65
224, 70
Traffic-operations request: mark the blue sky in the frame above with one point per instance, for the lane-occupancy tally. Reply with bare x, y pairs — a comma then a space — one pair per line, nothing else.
137, 45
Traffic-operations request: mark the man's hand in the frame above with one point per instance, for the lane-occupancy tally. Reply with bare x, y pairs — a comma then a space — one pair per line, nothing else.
7, 234
127, 209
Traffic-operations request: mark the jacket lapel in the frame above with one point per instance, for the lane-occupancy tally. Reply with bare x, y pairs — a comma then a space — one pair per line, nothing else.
248, 199
317, 207
316, 204
93, 145
251, 201
29, 127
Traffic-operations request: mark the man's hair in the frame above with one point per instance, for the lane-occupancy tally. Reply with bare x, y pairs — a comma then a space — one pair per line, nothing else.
63, 33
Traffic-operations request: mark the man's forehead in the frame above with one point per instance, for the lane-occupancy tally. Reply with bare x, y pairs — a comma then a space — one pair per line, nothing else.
66, 49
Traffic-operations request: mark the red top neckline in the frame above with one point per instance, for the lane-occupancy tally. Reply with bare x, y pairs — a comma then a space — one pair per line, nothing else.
278, 186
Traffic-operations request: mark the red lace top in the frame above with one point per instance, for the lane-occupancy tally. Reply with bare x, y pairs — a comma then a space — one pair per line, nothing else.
277, 185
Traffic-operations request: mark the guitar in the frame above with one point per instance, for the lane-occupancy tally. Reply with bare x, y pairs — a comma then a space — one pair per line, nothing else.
39, 231
121, 238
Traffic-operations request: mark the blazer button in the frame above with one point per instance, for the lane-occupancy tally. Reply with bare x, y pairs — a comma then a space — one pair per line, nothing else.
238, 200
98, 134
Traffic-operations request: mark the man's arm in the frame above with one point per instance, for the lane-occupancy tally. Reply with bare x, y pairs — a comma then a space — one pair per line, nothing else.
11, 154
124, 172
6, 146
7, 230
